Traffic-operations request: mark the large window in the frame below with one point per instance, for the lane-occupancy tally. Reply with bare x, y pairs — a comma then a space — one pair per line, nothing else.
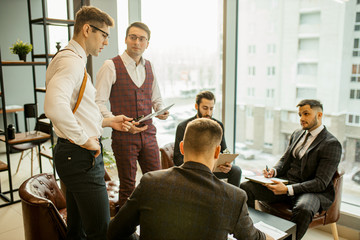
306, 67
58, 36
186, 50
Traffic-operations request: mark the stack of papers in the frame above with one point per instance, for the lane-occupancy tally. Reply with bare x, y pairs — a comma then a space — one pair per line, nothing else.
265, 228
270, 230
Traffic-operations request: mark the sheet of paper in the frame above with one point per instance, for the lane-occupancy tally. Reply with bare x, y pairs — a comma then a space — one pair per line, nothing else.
231, 237
270, 230
223, 158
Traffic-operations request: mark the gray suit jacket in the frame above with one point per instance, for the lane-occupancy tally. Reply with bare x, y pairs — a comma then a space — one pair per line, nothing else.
186, 202
318, 166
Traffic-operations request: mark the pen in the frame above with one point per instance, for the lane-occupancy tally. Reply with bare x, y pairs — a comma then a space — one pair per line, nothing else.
267, 168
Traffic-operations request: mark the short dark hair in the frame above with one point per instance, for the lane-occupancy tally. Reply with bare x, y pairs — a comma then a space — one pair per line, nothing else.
201, 135
140, 25
204, 94
91, 15
312, 103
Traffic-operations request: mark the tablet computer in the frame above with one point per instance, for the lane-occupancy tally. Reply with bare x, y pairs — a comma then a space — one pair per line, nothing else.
151, 115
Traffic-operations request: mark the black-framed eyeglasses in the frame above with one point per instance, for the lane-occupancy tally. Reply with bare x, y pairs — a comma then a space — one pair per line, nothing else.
105, 34
133, 38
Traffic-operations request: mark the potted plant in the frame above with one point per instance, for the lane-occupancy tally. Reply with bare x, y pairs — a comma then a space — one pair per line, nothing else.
21, 48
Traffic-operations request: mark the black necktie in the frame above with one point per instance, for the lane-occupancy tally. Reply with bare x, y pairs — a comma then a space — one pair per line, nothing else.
297, 151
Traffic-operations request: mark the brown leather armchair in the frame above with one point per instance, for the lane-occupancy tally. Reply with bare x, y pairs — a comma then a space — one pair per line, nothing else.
43, 208
167, 155
325, 217
112, 187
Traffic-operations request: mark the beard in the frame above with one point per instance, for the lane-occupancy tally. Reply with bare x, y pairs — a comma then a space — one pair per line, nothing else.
203, 116
313, 123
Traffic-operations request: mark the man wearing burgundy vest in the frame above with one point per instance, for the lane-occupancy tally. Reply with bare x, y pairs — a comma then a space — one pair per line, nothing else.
129, 83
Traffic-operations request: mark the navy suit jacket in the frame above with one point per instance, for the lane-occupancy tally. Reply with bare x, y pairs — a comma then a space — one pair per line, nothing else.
186, 202
318, 166
180, 132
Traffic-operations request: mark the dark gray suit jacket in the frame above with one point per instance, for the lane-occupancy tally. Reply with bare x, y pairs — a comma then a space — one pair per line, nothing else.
186, 202
318, 166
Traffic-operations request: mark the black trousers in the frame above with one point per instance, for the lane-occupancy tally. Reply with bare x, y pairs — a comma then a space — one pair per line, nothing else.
233, 176
87, 201
305, 205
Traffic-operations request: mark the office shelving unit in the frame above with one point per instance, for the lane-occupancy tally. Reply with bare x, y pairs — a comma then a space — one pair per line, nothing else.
45, 22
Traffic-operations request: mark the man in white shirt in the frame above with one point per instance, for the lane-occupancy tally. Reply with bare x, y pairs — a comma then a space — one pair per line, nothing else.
309, 165
129, 83
77, 154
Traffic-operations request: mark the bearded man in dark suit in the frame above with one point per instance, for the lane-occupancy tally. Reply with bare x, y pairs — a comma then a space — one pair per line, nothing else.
189, 201
309, 165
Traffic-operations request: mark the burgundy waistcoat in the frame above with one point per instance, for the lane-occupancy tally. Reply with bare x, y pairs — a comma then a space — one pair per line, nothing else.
128, 99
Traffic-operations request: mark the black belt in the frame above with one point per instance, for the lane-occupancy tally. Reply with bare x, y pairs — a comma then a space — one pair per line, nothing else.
63, 140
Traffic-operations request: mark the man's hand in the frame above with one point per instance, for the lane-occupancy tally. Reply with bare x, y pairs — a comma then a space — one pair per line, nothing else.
119, 123
92, 144
278, 188
268, 237
225, 168
268, 174
163, 116
135, 130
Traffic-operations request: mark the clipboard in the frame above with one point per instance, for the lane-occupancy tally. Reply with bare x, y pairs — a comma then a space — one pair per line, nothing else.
151, 115
266, 181
224, 158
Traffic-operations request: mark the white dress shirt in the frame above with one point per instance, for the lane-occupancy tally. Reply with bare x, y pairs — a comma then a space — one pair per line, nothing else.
63, 81
311, 138
106, 77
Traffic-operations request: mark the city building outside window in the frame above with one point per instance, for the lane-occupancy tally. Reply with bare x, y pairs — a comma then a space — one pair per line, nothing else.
305, 69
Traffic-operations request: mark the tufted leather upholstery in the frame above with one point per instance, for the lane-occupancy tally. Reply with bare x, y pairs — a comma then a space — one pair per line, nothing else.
167, 155
325, 217
112, 188
43, 207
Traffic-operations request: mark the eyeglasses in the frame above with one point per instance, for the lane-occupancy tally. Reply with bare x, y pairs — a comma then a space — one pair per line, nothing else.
133, 38
105, 34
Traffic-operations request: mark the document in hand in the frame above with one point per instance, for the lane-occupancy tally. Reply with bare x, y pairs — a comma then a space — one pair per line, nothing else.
265, 181
224, 158
151, 115
270, 230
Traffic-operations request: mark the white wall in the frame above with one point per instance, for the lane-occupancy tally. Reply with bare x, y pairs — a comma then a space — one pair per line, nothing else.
14, 24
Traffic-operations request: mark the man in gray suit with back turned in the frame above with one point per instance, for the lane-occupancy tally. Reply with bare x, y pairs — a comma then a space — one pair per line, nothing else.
309, 164
187, 202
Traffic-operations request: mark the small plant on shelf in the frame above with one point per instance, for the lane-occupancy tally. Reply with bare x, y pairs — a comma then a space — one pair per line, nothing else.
21, 48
